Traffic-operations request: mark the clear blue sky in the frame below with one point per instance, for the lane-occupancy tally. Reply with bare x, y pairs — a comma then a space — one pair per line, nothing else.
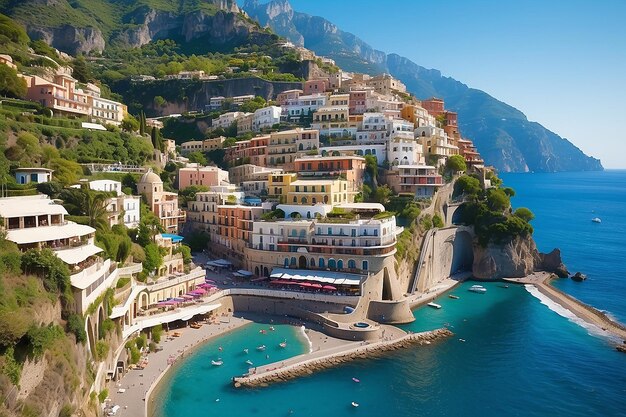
561, 62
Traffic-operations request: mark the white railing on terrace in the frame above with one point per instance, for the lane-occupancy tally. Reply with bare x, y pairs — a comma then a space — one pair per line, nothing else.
130, 269
174, 280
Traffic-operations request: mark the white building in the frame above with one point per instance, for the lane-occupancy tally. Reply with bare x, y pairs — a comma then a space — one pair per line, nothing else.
266, 118
35, 175
36, 222
123, 208
295, 108
373, 128
225, 120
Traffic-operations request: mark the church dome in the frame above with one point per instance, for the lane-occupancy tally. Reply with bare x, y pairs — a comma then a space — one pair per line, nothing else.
150, 178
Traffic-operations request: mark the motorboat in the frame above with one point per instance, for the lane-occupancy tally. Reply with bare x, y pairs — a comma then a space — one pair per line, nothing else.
356, 380
245, 351
434, 305
218, 362
355, 404
272, 328
283, 344
260, 348
596, 220
454, 297
478, 288
249, 362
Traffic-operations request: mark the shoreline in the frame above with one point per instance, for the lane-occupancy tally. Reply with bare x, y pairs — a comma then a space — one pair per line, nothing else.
542, 281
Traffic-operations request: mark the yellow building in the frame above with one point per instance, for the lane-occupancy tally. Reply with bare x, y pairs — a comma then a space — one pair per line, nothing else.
319, 191
284, 147
278, 185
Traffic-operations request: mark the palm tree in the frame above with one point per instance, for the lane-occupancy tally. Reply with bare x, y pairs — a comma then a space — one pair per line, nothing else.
95, 207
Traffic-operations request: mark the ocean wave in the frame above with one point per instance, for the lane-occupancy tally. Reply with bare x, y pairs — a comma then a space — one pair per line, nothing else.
592, 329
308, 339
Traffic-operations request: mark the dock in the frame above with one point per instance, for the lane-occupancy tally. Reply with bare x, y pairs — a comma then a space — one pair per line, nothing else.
303, 366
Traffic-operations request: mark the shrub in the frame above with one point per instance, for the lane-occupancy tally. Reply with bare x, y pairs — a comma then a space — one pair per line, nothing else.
157, 332
75, 324
102, 348
42, 338
103, 395
437, 221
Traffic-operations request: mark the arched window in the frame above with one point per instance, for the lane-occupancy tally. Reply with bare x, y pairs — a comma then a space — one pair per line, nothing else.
312, 262
286, 264
351, 264
302, 233
303, 200
321, 263
293, 261
294, 233
365, 265
340, 264
332, 264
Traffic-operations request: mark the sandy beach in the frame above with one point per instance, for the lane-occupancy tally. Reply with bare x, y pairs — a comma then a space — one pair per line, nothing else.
542, 281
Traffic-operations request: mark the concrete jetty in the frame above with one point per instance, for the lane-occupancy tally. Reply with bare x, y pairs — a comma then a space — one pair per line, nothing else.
323, 360
542, 280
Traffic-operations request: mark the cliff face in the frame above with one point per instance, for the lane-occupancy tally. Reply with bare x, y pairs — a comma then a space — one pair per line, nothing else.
502, 134
514, 259
74, 26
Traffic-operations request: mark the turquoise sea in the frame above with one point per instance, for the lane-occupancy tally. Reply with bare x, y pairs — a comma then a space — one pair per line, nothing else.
510, 355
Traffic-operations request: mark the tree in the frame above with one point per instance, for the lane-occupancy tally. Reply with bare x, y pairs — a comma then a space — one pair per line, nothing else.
96, 209
437, 221
383, 194
157, 332
524, 214
81, 71
66, 172
142, 123
509, 191
466, 185
130, 124
497, 200
157, 139
198, 158
10, 84
154, 259
456, 163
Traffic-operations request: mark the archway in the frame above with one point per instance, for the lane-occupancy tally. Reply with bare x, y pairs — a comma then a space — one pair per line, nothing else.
143, 300
340, 264
302, 262
256, 271
332, 264
266, 272
462, 253
100, 322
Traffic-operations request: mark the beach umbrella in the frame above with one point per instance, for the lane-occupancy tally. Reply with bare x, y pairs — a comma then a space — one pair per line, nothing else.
306, 284
329, 287
316, 285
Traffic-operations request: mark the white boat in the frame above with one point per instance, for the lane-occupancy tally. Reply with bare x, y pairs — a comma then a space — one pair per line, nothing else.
245, 351
283, 344
218, 362
260, 348
249, 362
596, 220
454, 297
355, 404
478, 288
434, 305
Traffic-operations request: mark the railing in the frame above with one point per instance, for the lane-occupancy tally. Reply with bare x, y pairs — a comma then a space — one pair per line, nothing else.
195, 274
130, 269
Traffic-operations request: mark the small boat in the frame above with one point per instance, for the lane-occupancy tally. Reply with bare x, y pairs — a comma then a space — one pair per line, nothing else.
262, 331
478, 288
283, 344
245, 351
355, 404
596, 220
434, 305
461, 340
249, 362
454, 297
260, 348
272, 328
356, 380
218, 362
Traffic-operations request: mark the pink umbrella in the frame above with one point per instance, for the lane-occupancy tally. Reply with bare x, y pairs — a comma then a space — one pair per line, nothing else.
316, 285
199, 291
306, 284
329, 287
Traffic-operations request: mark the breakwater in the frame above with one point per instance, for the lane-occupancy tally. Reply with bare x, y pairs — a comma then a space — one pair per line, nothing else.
322, 361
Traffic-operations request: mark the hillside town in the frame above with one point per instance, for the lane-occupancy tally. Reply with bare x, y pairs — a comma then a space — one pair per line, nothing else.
299, 208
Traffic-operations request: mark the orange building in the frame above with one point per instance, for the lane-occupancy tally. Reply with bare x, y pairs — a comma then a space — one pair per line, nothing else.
235, 226
348, 167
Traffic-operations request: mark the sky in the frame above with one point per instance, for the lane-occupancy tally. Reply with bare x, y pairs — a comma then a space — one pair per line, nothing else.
561, 62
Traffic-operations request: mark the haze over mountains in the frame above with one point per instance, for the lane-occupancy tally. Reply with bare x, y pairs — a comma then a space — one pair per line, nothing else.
504, 136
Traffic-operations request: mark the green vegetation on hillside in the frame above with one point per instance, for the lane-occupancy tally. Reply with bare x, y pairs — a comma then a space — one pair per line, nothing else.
489, 211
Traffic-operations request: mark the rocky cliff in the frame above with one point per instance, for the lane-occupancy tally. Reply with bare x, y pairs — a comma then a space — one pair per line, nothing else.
514, 259
504, 136
85, 26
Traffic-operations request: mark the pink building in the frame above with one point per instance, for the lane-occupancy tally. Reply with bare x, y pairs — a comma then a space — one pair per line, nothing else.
60, 95
207, 176
315, 86
357, 103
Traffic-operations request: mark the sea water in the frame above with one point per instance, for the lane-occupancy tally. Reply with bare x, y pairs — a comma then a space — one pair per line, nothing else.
512, 353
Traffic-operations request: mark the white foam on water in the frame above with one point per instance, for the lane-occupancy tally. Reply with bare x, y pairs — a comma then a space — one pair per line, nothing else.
592, 329
306, 336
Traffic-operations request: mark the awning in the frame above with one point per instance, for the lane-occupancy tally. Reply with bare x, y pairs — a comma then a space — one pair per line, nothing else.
75, 255
222, 262
329, 287
325, 277
245, 273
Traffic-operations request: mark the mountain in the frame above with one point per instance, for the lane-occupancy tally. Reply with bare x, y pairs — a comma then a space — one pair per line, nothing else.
504, 136
85, 26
